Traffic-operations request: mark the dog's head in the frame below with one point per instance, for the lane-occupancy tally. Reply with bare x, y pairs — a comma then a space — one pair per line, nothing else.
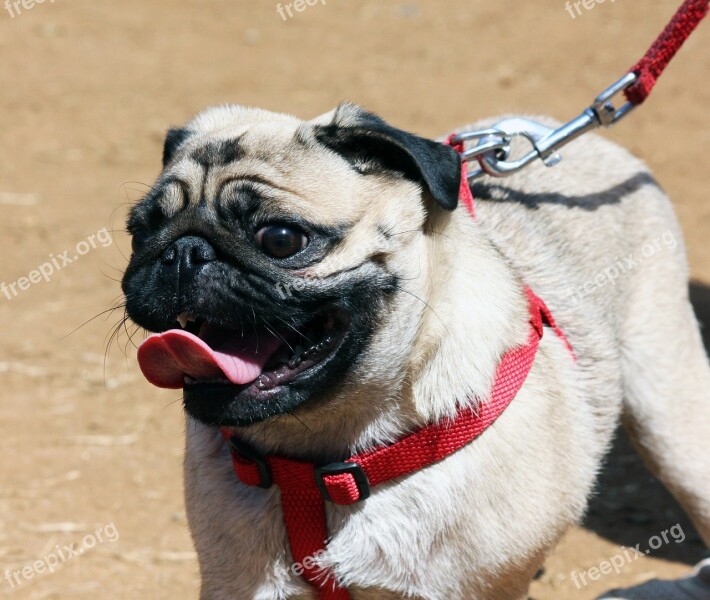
271, 257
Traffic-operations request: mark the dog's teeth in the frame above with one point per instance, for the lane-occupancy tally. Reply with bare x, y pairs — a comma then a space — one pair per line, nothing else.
183, 319
297, 357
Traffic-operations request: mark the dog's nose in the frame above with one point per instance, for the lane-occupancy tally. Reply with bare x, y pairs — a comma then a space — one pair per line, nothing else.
184, 257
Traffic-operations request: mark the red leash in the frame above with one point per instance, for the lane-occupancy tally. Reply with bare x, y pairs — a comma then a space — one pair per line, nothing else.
491, 148
650, 67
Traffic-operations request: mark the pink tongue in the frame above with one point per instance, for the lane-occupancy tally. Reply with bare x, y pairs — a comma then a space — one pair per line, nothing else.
166, 358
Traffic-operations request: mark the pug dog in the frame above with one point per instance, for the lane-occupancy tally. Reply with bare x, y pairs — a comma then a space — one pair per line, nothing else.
324, 293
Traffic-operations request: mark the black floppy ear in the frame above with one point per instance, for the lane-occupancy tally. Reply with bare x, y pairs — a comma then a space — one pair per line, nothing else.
370, 144
173, 140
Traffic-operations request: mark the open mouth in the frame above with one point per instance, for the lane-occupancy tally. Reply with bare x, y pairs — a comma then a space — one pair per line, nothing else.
205, 358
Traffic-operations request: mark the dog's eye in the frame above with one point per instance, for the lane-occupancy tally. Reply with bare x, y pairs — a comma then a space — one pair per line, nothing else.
280, 241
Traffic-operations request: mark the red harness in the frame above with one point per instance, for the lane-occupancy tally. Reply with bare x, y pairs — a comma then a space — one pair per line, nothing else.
305, 486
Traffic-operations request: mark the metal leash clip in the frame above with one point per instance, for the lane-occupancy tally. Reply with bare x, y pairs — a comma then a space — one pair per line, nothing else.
493, 150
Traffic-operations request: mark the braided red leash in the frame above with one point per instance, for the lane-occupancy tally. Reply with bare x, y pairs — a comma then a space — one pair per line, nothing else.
650, 67
490, 147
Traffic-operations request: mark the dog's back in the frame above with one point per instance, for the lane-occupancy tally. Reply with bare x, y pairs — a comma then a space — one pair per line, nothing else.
598, 239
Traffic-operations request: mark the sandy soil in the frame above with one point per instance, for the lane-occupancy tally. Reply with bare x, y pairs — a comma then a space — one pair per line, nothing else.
88, 89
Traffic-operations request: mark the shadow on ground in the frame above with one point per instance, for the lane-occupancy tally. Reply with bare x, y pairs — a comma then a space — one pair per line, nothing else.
630, 505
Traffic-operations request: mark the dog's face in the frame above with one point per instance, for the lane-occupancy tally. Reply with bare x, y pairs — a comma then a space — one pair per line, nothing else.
273, 253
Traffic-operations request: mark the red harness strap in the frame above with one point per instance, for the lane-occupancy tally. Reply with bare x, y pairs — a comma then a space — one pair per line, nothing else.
650, 67
465, 195
306, 486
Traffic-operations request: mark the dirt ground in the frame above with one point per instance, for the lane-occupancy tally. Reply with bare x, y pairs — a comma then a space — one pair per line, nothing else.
88, 89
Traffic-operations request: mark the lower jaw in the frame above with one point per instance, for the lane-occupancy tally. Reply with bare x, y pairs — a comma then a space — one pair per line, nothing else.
223, 405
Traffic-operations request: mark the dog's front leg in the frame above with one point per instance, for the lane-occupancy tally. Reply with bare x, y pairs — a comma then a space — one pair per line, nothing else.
237, 530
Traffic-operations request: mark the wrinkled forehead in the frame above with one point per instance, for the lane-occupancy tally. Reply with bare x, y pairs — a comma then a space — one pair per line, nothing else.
282, 158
